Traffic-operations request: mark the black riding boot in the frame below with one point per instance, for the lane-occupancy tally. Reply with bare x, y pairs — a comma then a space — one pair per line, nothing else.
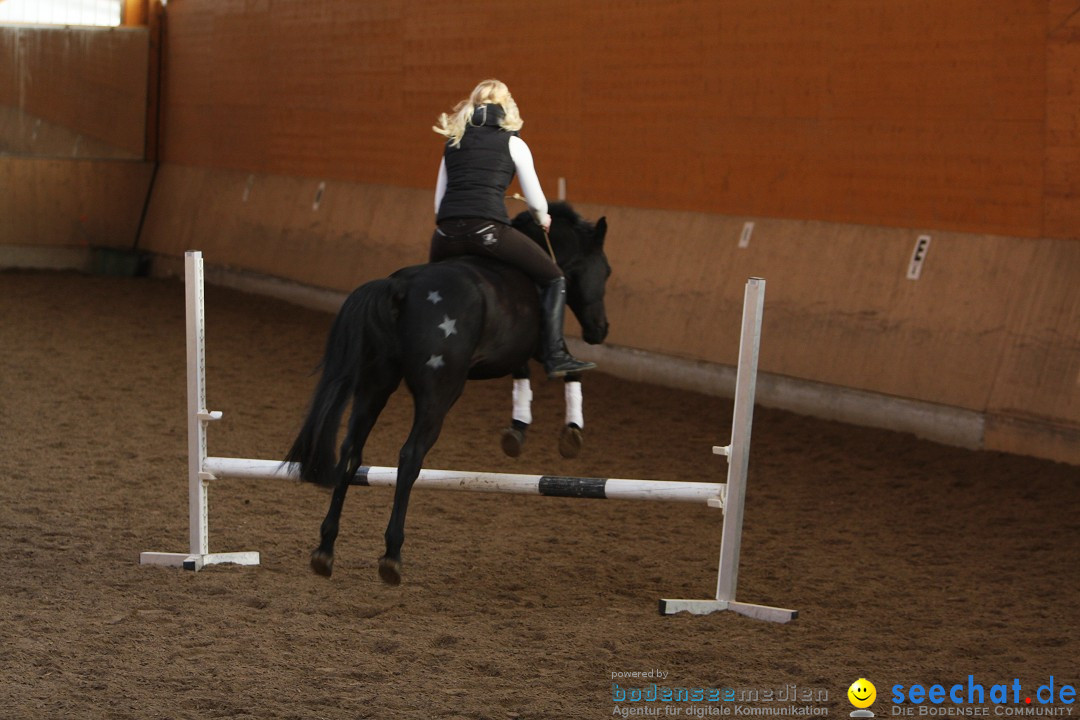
557, 360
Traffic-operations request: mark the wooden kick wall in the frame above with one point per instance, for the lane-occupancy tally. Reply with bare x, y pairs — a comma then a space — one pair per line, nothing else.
73, 112
990, 327
296, 143
73, 92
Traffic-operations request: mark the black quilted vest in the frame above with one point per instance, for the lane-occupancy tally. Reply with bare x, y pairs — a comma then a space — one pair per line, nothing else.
479, 170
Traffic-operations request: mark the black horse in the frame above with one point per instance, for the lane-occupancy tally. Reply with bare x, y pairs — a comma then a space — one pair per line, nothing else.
435, 326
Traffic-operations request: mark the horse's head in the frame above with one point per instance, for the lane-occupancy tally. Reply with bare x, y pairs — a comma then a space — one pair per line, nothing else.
579, 250
586, 280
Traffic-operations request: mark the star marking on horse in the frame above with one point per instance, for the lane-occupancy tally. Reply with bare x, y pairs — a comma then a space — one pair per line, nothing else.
434, 297
435, 362
448, 326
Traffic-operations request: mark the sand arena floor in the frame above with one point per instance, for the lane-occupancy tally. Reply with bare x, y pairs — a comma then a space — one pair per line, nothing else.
909, 562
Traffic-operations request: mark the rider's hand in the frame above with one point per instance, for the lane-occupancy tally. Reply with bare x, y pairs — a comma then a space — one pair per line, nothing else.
545, 222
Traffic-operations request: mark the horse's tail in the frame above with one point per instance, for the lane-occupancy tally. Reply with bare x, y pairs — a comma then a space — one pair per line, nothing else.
363, 326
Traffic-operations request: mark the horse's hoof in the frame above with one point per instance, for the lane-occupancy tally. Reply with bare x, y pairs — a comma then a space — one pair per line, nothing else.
390, 571
512, 441
322, 562
571, 441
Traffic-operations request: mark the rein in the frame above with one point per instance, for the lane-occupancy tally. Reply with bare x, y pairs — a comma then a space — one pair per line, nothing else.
551, 252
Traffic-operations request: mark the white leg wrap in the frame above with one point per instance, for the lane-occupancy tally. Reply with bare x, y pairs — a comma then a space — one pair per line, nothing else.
574, 414
523, 401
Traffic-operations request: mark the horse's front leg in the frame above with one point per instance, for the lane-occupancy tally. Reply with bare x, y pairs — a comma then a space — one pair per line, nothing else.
572, 437
513, 437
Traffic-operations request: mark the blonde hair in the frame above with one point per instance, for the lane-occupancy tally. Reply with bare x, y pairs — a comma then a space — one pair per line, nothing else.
491, 91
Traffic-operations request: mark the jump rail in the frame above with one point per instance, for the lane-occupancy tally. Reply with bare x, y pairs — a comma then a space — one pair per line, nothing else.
202, 469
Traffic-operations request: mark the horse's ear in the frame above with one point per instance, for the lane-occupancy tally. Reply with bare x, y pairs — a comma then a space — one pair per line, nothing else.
600, 231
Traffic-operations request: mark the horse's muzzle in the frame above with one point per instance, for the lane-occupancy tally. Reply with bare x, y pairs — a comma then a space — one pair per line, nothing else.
595, 335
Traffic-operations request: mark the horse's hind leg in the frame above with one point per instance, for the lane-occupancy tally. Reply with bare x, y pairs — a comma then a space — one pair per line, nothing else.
431, 405
366, 410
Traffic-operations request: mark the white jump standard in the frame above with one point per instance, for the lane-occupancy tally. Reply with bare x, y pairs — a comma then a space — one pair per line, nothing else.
738, 455
729, 497
198, 417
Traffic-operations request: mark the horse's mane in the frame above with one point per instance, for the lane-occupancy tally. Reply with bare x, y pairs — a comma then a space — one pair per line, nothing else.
564, 210
564, 213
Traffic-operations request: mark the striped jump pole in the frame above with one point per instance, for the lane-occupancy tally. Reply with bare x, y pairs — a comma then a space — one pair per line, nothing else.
202, 469
514, 484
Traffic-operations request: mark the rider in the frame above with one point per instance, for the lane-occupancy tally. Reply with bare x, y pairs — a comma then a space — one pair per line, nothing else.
482, 153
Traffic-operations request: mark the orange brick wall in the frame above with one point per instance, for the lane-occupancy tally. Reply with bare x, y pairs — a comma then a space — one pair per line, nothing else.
950, 115
1062, 191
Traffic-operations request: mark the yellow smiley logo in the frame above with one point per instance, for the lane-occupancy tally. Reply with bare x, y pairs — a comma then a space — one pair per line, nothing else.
862, 693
